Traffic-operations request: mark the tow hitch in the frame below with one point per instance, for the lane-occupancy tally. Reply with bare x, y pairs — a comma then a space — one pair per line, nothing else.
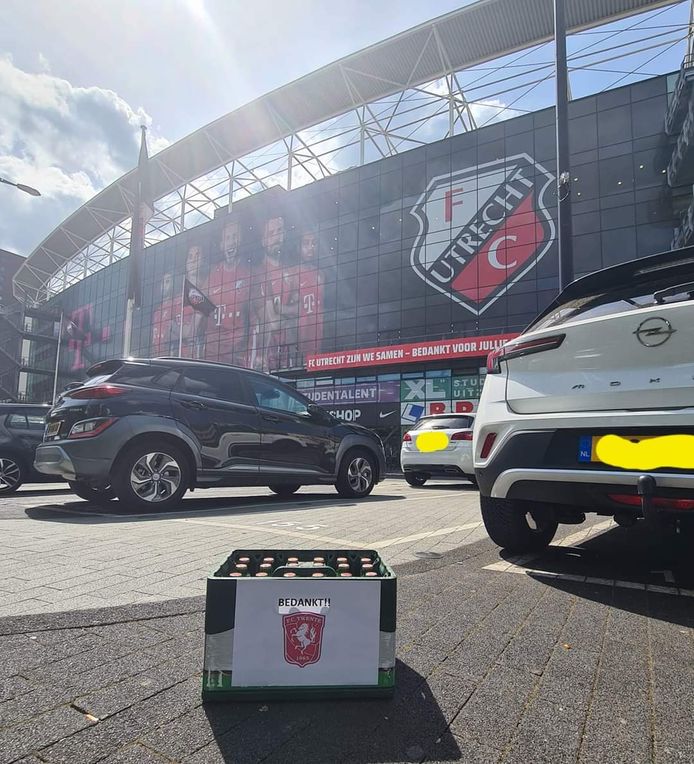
645, 486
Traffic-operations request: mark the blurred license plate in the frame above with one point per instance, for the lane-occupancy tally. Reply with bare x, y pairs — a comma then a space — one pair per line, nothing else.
587, 443
52, 429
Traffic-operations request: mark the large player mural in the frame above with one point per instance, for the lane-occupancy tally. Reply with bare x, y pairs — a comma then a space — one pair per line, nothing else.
274, 290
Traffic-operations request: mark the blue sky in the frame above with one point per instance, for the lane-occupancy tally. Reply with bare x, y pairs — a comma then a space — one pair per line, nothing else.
77, 77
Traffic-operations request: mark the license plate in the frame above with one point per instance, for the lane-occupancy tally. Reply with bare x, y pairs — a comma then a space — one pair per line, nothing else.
52, 429
587, 444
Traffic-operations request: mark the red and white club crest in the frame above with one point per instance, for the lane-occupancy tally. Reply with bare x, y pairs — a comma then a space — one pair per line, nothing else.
303, 633
482, 229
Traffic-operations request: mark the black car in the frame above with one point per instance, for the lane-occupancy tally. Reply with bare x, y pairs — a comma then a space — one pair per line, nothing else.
146, 431
21, 430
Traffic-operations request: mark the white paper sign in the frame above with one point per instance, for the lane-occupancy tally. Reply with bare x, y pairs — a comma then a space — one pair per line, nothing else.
298, 633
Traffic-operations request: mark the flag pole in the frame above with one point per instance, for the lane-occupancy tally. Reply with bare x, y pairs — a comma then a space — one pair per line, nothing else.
142, 212
180, 333
57, 358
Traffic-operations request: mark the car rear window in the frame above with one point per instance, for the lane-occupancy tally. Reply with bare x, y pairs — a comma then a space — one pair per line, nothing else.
444, 423
621, 300
145, 375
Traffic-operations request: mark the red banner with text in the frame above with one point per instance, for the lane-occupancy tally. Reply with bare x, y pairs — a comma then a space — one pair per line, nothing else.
411, 352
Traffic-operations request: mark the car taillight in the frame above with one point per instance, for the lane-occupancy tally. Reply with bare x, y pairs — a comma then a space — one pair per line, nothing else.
520, 349
407, 438
96, 392
487, 445
465, 435
658, 501
88, 428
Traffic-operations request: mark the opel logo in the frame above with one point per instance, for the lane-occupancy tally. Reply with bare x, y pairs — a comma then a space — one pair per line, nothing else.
654, 332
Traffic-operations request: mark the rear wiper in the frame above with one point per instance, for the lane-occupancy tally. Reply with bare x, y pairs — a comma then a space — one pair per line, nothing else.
687, 288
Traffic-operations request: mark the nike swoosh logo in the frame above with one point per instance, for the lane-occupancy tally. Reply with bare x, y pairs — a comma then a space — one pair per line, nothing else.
381, 415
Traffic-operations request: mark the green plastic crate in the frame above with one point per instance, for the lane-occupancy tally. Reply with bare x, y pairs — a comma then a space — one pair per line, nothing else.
303, 637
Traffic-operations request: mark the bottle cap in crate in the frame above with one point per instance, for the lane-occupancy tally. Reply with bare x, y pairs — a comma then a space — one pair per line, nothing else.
345, 575
289, 574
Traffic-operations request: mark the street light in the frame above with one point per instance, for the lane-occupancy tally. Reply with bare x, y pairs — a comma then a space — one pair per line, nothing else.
21, 187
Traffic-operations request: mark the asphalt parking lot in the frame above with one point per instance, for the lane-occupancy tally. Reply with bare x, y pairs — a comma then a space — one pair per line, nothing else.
584, 653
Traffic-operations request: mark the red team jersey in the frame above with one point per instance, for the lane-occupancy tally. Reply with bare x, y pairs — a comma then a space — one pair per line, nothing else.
230, 290
310, 310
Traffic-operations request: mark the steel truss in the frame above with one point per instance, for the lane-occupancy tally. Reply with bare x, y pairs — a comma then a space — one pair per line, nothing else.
456, 102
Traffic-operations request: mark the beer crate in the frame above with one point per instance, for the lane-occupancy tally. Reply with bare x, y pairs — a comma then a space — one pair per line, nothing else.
314, 633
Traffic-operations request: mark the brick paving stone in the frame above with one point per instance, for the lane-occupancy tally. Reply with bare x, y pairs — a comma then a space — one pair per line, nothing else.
495, 707
569, 677
547, 734
39, 731
136, 754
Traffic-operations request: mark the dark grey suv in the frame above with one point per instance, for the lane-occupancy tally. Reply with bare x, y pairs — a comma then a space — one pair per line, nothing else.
21, 431
145, 431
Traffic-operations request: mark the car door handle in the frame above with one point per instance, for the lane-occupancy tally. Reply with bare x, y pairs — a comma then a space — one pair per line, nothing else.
198, 405
270, 418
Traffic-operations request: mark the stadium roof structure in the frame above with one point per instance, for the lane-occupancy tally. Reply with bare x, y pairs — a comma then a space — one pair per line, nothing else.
97, 233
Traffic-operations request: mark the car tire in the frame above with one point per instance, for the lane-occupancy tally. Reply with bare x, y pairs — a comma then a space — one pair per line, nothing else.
416, 479
518, 526
99, 496
357, 474
12, 473
285, 490
151, 475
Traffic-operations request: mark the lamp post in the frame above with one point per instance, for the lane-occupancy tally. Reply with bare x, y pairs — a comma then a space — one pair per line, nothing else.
566, 269
27, 189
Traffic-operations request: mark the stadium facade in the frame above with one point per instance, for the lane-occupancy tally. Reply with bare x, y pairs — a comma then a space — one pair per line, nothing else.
381, 288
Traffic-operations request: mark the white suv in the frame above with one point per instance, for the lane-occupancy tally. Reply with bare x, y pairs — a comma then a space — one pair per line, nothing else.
570, 410
439, 445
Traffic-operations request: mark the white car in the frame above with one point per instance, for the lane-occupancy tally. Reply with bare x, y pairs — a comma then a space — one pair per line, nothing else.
439, 445
591, 409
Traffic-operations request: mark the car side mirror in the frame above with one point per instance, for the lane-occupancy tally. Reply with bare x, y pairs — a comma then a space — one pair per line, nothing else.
316, 412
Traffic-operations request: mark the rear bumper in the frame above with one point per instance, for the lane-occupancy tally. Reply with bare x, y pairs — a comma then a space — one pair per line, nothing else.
53, 459
454, 462
89, 459
437, 470
519, 470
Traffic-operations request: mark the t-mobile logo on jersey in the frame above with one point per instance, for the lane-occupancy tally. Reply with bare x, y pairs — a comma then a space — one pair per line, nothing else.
309, 303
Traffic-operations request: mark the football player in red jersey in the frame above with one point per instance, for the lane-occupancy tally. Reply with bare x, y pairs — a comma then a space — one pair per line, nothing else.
275, 302
194, 323
310, 297
166, 320
229, 288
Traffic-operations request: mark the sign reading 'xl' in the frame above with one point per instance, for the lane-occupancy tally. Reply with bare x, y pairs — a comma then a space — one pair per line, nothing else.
482, 229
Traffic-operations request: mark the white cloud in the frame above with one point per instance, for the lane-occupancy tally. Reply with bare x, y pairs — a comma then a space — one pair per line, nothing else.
67, 141
492, 110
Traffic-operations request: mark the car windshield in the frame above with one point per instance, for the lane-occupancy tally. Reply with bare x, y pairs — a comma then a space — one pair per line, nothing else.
444, 423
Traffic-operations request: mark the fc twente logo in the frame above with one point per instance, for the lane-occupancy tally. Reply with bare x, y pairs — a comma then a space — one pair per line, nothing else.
303, 633
481, 229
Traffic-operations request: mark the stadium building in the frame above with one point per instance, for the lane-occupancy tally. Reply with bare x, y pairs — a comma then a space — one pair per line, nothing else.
372, 230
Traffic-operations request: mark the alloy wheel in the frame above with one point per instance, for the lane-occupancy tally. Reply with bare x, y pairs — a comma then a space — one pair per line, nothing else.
10, 474
359, 474
155, 477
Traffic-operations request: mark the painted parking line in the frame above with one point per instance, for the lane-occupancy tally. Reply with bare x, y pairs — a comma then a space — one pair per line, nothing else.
268, 529
502, 567
572, 540
329, 539
424, 535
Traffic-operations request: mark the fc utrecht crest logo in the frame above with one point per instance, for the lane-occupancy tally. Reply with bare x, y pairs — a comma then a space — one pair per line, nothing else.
482, 229
303, 633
